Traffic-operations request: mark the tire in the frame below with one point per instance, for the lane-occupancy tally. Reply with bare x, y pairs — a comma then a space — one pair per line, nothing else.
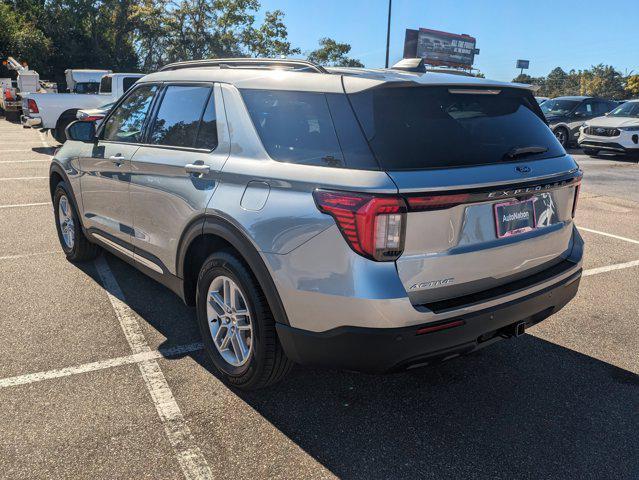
562, 136
265, 363
591, 151
74, 243
12, 115
59, 132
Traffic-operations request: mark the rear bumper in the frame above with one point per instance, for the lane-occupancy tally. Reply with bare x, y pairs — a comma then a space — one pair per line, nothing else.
378, 350
29, 122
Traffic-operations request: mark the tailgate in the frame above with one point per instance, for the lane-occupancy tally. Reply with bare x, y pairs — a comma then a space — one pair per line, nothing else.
463, 240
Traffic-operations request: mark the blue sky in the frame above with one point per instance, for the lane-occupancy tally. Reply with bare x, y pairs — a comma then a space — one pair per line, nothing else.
570, 34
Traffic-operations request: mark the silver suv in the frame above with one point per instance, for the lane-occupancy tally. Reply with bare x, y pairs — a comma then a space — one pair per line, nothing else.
371, 220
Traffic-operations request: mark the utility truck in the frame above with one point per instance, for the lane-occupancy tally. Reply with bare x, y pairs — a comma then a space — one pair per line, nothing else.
28, 81
84, 80
54, 112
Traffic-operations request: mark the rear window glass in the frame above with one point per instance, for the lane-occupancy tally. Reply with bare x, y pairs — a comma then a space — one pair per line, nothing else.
294, 127
411, 128
106, 84
178, 118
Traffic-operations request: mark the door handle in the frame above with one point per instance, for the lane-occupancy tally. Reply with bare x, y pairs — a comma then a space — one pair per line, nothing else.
197, 168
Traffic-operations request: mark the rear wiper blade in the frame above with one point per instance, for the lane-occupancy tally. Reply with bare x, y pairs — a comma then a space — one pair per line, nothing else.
516, 152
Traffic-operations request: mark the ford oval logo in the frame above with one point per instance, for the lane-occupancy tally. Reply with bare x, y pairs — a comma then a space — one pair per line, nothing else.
523, 169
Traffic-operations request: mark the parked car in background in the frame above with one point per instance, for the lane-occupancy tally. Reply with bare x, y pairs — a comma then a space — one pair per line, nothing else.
363, 219
541, 100
94, 114
84, 80
54, 112
616, 132
566, 114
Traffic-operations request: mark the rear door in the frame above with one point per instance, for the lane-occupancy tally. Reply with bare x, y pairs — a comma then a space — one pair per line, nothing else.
174, 174
107, 169
489, 189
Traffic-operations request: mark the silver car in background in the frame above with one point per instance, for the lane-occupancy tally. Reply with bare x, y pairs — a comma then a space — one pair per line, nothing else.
371, 220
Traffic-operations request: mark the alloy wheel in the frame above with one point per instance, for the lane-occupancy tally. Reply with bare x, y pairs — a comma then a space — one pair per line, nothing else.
65, 221
229, 321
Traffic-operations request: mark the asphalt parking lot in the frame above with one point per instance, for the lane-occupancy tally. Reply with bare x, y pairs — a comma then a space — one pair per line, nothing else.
101, 375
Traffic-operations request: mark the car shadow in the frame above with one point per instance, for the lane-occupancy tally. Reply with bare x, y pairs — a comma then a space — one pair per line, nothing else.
44, 150
524, 408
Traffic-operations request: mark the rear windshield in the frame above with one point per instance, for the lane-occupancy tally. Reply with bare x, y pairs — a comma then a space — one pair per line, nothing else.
411, 128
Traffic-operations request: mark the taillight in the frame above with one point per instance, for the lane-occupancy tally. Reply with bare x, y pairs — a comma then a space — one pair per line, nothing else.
373, 226
436, 201
32, 106
90, 118
7, 94
574, 203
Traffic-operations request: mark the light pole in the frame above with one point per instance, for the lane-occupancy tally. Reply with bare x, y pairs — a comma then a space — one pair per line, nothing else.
390, 4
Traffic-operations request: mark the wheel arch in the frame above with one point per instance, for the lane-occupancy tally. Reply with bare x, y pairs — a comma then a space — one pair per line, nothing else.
210, 233
70, 113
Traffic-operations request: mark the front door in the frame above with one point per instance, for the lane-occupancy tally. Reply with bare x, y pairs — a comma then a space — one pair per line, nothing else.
107, 170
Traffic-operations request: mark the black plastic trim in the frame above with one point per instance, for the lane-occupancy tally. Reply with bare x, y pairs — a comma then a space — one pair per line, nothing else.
220, 227
378, 350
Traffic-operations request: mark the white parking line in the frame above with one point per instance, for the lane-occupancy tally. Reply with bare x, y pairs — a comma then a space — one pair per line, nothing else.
27, 255
605, 234
20, 205
22, 178
100, 365
609, 268
188, 454
26, 161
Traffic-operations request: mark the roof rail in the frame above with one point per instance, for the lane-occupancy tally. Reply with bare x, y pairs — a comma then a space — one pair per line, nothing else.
292, 64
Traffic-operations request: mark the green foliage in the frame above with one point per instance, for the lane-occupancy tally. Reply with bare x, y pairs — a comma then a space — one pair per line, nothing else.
20, 38
143, 35
332, 53
600, 81
632, 85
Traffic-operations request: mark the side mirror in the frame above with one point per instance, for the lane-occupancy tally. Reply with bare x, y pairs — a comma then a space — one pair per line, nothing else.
81, 131
579, 114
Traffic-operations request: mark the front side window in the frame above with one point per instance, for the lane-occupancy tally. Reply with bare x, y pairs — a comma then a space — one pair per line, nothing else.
628, 109
178, 119
127, 122
558, 107
585, 108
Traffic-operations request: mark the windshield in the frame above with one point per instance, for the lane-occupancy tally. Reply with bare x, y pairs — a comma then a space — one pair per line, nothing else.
628, 109
558, 107
430, 127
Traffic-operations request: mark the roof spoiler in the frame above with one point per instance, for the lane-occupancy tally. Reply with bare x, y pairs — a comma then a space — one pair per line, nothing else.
267, 63
410, 65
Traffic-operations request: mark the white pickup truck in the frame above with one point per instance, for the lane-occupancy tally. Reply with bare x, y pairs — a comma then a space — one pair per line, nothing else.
54, 111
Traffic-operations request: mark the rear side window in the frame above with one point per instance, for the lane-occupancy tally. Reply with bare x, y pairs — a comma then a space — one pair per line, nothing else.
128, 82
106, 84
309, 128
412, 128
126, 124
207, 134
178, 119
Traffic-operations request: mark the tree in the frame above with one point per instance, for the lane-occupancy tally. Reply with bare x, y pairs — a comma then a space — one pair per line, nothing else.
632, 85
270, 40
332, 53
603, 81
21, 39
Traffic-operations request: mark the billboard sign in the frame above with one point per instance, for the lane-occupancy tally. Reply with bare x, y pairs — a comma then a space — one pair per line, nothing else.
440, 48
523, 64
